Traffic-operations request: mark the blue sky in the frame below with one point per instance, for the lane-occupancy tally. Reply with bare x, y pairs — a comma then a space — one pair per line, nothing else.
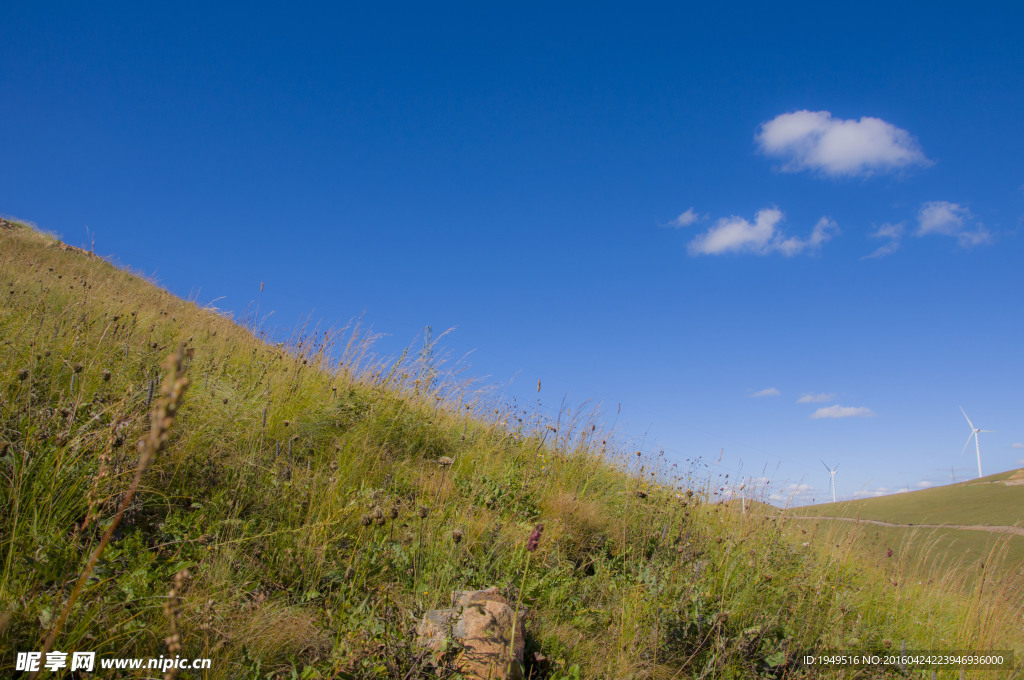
670, 208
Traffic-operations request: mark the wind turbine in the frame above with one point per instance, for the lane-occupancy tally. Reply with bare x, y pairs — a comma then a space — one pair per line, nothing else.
832, 473
977, 443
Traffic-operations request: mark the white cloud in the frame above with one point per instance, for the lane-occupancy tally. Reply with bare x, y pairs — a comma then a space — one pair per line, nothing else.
872, 493
814, 398
838, 411
761, 237
814, 140
893, 232
924, 484
823, 231
793, 494
769, 392
951, 219
1017, 445
686, 219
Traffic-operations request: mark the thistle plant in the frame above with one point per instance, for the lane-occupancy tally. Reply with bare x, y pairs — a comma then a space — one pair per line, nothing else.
531, 547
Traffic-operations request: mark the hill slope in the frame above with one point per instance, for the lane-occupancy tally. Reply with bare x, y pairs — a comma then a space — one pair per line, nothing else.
996, 500
971, 525
308, 505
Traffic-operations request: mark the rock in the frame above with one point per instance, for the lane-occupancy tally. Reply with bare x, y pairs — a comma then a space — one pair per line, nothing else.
480, 621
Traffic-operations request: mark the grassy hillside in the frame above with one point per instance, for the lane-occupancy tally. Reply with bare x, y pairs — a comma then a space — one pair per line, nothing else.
996, 500
940, 527
293, 510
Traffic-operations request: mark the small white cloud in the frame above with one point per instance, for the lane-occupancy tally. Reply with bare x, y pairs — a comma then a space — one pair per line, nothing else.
872, 493
810, 398
793, 494
686, 219
924, 484
888, 230
893, 232
761, 237
823, 232
838, 411
814, 140
1017, 445
951, 219
888, 249
941, 217
769, 392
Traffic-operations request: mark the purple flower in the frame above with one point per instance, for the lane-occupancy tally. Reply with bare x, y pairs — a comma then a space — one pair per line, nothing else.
534, 539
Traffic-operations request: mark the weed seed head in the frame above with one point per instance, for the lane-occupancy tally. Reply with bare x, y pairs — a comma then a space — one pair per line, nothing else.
457, 536
534, 540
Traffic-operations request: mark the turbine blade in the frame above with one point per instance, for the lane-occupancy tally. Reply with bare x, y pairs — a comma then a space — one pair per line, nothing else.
988, 430
826, 466
965, 416
967, 444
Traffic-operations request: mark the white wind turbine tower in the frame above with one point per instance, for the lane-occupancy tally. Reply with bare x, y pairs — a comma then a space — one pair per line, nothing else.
977, 443
832, 475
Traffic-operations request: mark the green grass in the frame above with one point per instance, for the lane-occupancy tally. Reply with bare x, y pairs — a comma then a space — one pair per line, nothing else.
280, 477
996, 500
993, 501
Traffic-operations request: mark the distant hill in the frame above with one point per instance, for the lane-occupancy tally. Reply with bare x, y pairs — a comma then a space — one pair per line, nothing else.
966, 526
995, 500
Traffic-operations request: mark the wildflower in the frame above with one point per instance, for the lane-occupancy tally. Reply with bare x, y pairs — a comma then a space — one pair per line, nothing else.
106, 375
457, 536
888, 553
78, 368
445, 461
534, 539
423, 511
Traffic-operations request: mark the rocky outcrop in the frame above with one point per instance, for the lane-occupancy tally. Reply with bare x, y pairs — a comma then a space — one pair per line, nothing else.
480, 622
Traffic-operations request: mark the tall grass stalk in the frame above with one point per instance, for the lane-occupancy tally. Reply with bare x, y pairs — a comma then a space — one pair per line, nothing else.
171, 392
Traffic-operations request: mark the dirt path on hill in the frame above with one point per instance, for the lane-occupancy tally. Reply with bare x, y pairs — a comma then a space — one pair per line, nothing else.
1018, 531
